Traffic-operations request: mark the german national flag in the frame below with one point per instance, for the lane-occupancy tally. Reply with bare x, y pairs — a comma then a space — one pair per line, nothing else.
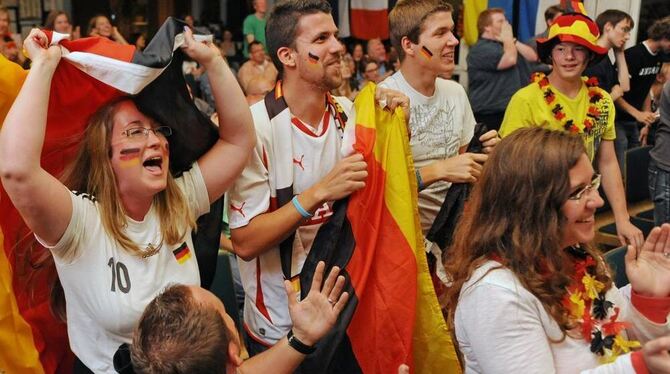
182, 254
426, 53
393, 316
92, 72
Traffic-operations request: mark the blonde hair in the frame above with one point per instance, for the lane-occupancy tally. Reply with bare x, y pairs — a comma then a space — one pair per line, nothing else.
407, 17
91, 172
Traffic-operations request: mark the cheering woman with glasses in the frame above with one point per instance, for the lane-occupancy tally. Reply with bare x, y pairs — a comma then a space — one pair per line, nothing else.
119, 225
529, 294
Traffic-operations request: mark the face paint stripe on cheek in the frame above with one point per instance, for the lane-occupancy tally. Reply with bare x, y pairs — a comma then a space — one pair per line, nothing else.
130, 157
313, 59
425, 52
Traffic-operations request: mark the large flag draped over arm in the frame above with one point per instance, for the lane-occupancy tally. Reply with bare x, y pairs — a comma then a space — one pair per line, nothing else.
18, 351
93, 72
393, 316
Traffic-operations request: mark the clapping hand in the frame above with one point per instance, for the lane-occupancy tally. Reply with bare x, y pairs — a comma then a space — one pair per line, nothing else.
648, 268
655, 353
314, 316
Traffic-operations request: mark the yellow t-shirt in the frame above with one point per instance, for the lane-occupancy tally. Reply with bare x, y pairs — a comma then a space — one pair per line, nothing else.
528, 107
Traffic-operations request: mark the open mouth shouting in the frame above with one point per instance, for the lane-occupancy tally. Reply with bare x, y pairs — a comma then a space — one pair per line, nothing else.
154, 164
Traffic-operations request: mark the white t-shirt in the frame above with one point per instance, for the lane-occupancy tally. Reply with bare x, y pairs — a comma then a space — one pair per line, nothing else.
106, 288
440, 125
315, 153
503, 328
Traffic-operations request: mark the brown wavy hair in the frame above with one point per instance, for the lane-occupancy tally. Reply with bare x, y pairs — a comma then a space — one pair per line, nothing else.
514, 216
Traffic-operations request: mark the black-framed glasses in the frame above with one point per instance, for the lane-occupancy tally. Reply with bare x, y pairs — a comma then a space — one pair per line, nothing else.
593, 186
143, 132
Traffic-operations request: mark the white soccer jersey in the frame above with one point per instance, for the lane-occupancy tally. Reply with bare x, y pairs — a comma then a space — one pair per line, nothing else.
314, 152
106, 288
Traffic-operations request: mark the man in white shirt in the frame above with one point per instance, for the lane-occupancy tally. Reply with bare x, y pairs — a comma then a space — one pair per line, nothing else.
296, 172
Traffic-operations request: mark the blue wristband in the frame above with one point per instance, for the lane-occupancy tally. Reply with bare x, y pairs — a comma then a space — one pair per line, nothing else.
300, 209
419, 181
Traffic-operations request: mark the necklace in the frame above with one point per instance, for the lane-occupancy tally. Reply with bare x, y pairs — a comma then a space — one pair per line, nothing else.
150, 250
569, 124
587, 306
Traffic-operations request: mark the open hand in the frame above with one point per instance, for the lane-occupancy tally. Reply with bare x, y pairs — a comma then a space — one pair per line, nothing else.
648, 269
314, 316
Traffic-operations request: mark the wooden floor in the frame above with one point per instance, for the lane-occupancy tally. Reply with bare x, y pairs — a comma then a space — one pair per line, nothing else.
607, 241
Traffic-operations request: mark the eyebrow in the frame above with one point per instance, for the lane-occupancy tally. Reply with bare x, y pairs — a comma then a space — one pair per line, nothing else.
135, 122
152, 123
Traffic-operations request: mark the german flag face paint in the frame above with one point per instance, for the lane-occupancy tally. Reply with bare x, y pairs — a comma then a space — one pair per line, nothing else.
130, 157
426, 53
313, 59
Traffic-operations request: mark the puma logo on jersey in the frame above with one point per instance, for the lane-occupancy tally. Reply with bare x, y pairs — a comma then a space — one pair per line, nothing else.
239, 209
299, 162
321, 215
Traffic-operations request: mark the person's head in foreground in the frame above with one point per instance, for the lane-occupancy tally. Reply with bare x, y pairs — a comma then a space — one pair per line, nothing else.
529, 222
570, 45
186, 329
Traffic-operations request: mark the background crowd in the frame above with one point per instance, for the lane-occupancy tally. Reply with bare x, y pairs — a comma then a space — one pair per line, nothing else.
621, 104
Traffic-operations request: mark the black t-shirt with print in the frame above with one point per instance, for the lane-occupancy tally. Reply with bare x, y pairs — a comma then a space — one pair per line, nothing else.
642, 68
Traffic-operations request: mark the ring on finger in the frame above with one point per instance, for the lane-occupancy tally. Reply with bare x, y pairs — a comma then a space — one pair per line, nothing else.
331, 301
666, 254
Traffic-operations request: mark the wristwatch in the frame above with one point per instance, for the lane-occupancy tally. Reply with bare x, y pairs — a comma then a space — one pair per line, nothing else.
299, 346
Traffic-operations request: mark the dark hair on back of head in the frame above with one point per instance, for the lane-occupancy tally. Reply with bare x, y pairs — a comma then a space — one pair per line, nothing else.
281, 26
177, 335
660, 29
255, 42
551, 12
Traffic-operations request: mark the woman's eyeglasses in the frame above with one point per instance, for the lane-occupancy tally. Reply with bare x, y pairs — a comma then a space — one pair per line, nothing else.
143, 132
593, 186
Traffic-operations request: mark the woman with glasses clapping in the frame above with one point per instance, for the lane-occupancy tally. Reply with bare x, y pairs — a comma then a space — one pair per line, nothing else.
529, 293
